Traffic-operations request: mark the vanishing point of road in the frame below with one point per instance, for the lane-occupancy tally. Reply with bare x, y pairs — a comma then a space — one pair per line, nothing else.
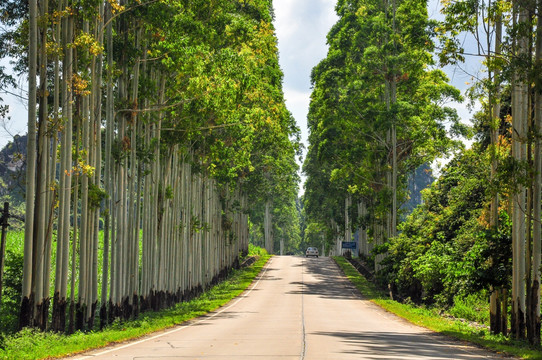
296, 309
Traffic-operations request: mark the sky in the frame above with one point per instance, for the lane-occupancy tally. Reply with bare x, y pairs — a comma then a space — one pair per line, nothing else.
17, 125
301, 27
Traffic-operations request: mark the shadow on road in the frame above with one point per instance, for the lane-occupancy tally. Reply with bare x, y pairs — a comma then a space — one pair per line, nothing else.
329, 283
389, 345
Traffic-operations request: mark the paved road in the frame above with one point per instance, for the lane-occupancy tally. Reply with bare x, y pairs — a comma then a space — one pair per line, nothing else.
298, 309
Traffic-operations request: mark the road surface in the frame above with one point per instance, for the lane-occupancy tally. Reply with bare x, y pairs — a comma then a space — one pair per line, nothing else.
297, 309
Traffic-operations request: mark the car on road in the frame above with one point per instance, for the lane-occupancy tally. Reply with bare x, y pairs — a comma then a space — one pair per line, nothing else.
311, 251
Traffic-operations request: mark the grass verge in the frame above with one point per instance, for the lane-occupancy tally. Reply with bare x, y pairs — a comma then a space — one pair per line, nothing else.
32, 344
430, 319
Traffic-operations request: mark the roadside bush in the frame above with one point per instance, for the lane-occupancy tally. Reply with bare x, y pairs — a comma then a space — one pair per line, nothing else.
12, 289
254, 250
472, 307
445, 246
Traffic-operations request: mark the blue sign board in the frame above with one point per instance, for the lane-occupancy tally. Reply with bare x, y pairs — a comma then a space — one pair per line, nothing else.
349, 245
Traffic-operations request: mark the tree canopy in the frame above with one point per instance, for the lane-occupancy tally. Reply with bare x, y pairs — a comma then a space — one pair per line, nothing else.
163, 122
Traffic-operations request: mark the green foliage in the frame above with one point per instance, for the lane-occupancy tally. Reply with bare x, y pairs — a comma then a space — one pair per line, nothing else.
472, 307
95, 196
196, 225
445, 247
12, 280
11, 291
287, 226
224, 59
374, 47
169, 192
314, 235
254, 250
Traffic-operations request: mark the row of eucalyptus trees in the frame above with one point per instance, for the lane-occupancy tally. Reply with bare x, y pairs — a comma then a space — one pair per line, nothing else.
376, 114
375, 89
153, 128
508, 38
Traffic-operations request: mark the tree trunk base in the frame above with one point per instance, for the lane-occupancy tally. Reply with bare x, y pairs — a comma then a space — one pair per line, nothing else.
126, 308
504, 312
114, 311
92, 317
42, 315
103, 316
533, 315
25, 316
144, 303
59, 313
135, 305
71, 328
80, 310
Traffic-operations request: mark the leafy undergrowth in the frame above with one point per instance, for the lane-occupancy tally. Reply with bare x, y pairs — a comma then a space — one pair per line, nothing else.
473, 307
32, 344
430, 319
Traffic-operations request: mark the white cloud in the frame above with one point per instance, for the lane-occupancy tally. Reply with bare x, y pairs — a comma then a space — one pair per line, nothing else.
298, 104
18, 113
301, 28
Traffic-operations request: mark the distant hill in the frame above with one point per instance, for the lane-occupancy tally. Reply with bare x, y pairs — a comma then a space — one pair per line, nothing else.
419, 180
13, 169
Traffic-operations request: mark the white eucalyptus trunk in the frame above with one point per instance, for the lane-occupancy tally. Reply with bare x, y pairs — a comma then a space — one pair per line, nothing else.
41, 297
108, 165
27, 305
347, 227
498, 320
58, 312
84, 279
363, 241
533, 315
65, 173
268, 226
519, 138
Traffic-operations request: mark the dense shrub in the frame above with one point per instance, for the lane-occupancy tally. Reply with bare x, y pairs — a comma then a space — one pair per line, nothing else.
11, 289
445, 246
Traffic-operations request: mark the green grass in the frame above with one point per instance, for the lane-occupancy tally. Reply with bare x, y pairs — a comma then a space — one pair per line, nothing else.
15, 241
430, 319
31, 344
472, 307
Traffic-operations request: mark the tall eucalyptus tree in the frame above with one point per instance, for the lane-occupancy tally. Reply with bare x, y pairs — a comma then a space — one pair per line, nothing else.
510, 65
27, 306
376, 112
194, 119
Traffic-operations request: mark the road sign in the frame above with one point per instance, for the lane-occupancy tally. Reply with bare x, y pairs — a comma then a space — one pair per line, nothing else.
348, 245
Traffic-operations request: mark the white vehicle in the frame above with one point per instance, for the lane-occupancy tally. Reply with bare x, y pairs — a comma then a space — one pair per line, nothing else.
311, 251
